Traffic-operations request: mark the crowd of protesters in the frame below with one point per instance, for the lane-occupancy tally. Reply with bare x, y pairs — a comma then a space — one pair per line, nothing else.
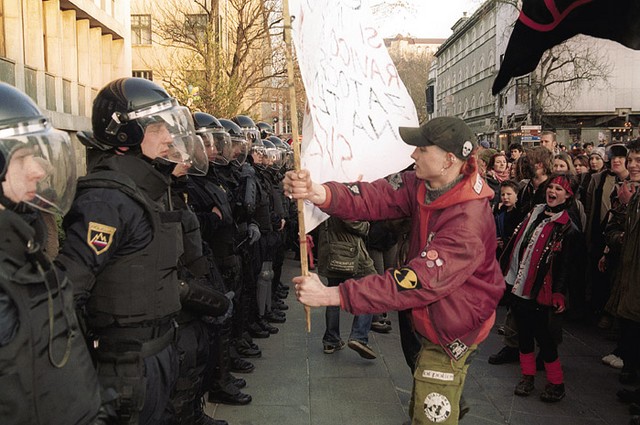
560, 208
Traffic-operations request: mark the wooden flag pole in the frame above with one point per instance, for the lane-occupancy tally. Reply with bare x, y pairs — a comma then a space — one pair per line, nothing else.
295, 141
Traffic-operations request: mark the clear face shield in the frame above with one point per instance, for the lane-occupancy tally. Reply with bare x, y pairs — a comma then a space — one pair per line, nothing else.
252, 134
217, 144
275, 159
239, 150
169, 134
39, 166
289, 163
259, 152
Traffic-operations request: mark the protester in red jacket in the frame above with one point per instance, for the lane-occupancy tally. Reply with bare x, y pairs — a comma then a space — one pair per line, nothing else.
451, 280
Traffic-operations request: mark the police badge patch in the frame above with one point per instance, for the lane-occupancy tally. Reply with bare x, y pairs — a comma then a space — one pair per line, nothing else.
437, 407
99, 237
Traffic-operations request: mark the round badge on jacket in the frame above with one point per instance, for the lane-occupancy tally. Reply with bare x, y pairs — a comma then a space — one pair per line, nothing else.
437, 407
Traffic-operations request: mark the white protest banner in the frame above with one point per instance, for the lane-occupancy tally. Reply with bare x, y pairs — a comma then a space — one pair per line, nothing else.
355, 99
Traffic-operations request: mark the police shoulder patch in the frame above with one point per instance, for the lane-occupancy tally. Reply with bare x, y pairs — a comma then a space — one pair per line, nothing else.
406, 279
100, 237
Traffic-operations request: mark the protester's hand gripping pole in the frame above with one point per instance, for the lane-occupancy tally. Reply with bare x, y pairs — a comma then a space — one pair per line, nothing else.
295, 142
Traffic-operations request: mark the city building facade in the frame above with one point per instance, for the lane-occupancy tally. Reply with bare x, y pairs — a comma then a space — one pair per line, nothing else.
192, 49
62, 52
600, 108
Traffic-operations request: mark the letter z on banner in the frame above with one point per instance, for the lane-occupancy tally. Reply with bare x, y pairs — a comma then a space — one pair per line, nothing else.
355, 99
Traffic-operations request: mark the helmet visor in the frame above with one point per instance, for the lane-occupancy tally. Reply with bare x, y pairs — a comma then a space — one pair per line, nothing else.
288, 160
239, 150
252, 134
41, 168
275, 159
170, 135
217, 144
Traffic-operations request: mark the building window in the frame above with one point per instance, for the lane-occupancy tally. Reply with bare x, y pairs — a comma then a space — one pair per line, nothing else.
146, 74
140, 29
522, 91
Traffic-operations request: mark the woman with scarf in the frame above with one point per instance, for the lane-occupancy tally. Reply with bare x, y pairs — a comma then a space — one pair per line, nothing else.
537, 276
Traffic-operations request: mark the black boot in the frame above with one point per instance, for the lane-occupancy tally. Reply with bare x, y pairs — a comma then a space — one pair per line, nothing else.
202, 418
266, 326
239, 365
506, 355
228, 394
270, 316
256, 331
244, 349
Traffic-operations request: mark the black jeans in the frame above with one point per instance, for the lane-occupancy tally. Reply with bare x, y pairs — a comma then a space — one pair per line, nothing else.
534, 323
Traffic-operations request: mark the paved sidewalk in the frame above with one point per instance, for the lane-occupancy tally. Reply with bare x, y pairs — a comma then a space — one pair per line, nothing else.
295, 383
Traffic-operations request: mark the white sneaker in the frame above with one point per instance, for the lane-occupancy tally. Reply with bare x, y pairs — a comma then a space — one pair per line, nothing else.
617, 363
613, 361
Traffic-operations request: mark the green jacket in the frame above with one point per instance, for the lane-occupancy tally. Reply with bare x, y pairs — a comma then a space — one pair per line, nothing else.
341, 249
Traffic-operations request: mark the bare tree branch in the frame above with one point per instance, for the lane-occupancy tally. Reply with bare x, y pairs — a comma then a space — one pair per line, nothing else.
223, 65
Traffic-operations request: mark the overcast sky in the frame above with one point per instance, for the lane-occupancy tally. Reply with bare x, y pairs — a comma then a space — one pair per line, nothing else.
428, 19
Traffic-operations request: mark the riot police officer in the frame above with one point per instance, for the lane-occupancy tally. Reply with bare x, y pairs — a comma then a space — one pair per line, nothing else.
122, 244
47, 373
265, 129
280, 216
212, 204
203, 303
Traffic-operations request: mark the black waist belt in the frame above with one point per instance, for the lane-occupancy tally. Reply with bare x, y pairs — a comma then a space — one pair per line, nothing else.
146, 341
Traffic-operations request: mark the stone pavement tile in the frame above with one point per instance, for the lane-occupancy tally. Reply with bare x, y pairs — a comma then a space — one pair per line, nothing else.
344, 363
350, 390
261, 415
331, 413
274, 388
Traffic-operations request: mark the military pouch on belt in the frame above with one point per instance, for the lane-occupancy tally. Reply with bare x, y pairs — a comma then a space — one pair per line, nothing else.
232, 271
125, 374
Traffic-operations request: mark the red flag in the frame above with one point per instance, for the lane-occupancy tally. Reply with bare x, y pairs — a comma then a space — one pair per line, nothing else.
543, 24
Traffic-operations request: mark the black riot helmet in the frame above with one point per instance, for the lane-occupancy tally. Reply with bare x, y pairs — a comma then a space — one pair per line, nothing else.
274, 156
265, 129
217, 141
239, 143
259, 154
128, 109
249, 127
285, 151
37, 162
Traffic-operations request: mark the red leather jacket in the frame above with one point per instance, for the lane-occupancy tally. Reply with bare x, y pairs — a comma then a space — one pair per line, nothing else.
451, 280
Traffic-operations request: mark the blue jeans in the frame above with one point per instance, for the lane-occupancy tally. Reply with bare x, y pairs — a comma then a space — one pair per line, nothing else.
359, 328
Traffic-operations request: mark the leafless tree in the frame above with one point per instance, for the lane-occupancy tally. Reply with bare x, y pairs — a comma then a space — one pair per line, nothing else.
563, 71
225, 57
413, 69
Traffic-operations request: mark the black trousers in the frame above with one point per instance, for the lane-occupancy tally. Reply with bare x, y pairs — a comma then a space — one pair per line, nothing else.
535, 323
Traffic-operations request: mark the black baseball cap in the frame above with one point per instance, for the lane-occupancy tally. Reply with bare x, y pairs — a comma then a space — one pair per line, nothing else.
451, 134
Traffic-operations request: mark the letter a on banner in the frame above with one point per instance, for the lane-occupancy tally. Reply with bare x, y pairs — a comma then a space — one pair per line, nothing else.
355, 98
